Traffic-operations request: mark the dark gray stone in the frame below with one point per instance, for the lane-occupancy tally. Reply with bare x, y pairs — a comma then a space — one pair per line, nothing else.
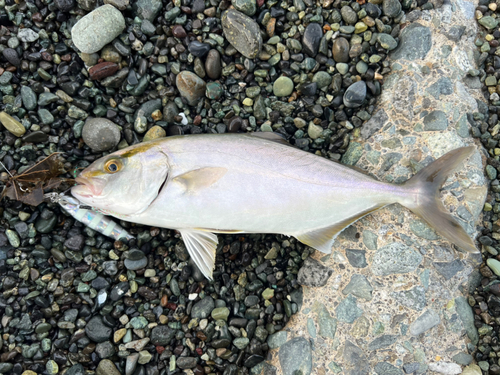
384, 368
97, 331
355, 95
76, 370
105, 349
355, 360
410, 368
443, 86
449, 269
455, 33
162, 335
360, 287
435, 121
425, 322
466, 315
295, 357
313, 273
203, 308
382, 342
356, 258
148, 9
100, 134
463, 359
312, 37
415, 43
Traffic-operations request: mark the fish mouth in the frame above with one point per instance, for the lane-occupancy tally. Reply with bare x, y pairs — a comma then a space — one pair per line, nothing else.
85, 188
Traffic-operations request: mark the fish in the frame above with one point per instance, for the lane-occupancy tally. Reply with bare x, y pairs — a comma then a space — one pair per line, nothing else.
205, 184
93, 219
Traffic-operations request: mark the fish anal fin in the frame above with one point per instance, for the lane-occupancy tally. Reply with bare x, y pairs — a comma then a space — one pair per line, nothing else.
200, 178
201, 246
322, 239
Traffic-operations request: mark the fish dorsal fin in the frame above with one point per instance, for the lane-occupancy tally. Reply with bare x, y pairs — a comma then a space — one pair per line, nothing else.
270, 136
322, 239
200, 178
201, 247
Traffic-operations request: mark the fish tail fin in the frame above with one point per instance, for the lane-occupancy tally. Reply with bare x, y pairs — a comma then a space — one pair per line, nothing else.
423, 188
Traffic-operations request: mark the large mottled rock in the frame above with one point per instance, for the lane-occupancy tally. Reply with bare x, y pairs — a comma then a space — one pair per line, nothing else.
242, 32
397, 299
98, 28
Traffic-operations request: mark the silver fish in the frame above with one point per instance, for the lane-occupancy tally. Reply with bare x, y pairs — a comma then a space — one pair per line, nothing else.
257, 183
93, 219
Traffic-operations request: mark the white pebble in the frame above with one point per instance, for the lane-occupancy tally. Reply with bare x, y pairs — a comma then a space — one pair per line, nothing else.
446, 368
184, 118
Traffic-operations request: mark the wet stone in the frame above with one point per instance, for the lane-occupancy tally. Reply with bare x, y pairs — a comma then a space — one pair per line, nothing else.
106, 367
148, 9
340, 50
353, 153
213, 65
162, 335
242, 32
203, 308
249, 7
190, 86
311, 39
313, 273
100, 134
98, 28
355, 95
97, 331
12, 125
295, 356
28, 97
198, 49
391, 8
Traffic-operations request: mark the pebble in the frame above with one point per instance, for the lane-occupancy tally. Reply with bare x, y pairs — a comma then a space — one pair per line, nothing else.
283, 86
242, 32
311, 39
98, 28
12, 125
249, 7
97, 331
100, 134
27, 35
355, 95
106, 367
190, 86
340, 50
213, 65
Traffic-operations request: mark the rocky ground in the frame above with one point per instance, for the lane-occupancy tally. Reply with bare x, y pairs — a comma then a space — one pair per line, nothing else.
86, 78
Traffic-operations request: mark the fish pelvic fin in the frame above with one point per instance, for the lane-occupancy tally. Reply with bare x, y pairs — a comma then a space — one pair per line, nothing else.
322, 239
423, 188
201, 246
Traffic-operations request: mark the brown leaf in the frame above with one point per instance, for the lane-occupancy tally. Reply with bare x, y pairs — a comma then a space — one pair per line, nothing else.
51, 166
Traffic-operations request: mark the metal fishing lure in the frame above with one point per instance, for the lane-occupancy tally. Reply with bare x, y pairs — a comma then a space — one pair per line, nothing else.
91, 218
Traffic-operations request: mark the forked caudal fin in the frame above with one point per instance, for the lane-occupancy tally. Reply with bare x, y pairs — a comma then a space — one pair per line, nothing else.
426, 203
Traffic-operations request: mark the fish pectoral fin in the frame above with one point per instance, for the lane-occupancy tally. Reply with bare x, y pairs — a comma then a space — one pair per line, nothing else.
322, 239
200, 178
201, 247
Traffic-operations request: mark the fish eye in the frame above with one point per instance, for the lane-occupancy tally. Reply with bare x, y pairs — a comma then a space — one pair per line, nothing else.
113, 166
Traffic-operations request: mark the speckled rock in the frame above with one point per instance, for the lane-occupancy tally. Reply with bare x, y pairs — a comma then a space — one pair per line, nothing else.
100, 134
242, 32
190, 86
98, 28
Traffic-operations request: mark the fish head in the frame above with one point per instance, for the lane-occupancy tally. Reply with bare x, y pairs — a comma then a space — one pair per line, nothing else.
125, 182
